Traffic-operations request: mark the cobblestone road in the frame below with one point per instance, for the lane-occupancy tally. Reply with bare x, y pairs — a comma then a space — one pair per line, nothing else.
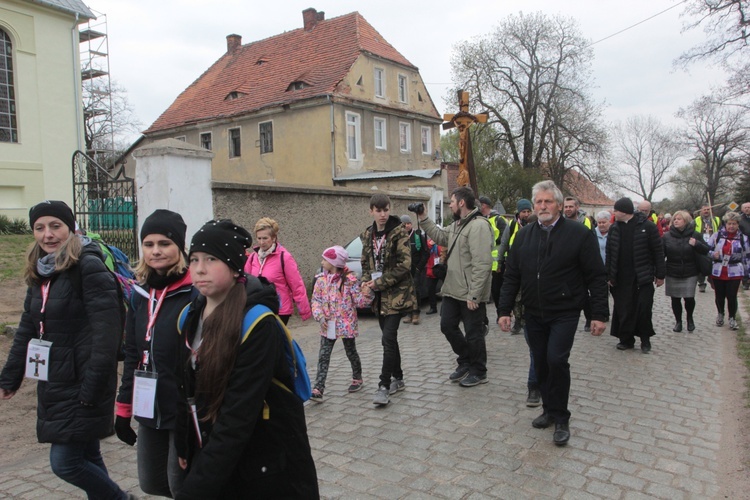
643, 425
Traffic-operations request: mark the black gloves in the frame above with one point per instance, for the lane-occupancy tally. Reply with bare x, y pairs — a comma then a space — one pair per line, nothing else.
125, 433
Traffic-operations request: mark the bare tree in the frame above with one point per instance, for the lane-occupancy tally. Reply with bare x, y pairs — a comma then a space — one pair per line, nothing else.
726, 24
521, 73
646, 154
105, 137
719, 139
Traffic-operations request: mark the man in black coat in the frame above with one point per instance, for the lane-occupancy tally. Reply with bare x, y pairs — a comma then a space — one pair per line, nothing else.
555, 263
635, 262
419, 255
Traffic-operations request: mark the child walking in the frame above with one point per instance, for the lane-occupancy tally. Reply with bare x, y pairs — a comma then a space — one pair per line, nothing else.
335, 300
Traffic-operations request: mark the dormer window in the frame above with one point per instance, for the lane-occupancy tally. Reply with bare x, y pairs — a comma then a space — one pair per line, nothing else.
261, 60
233, 95
297, 85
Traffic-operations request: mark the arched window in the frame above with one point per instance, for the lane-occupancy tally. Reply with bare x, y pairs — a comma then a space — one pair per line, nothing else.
8, 126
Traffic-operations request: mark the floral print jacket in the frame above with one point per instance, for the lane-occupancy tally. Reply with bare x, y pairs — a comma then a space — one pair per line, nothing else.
338, 296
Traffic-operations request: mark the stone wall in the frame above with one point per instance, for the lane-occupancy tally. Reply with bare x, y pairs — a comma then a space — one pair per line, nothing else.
310, 219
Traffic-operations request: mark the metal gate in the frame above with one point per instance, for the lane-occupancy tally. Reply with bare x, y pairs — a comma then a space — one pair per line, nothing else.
105, 203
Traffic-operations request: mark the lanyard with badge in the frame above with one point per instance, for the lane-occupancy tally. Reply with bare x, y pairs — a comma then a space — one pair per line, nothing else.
37, 351
377, 249
144, 379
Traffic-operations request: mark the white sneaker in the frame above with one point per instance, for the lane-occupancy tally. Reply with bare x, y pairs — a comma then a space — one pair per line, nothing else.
733, 324
719, 320
396, 385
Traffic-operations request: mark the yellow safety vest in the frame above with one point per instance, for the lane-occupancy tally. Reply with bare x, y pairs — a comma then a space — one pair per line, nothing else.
699, 224
495, 245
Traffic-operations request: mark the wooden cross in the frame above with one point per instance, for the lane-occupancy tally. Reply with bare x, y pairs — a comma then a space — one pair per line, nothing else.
37, 362
462, 121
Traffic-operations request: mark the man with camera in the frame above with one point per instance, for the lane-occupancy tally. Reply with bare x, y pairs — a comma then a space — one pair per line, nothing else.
466, 288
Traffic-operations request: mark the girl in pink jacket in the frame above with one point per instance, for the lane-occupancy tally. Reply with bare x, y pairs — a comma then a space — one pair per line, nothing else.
335, 299
274, 262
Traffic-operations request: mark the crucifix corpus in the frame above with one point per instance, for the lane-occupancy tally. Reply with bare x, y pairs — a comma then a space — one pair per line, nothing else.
462, 121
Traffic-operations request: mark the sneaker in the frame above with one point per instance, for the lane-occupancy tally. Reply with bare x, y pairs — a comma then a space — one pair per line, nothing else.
719, 319
396, 385
534, 399
356, 385
733, 324
381, 396
316, 396
472, 380
461, 373
702, 288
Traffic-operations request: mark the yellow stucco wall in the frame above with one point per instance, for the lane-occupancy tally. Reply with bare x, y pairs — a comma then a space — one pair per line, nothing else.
47, 86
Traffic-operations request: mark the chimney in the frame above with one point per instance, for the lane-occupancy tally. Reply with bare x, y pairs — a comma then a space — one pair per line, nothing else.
311, 17
233, 43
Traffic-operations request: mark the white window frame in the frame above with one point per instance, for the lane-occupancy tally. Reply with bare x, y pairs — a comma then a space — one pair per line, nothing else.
404, 137
383, 146
426, 144
403, 90
232, 153
260, 138
353, 120
378, 78
210, 140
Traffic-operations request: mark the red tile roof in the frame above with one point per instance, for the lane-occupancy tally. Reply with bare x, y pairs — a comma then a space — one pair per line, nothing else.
586, 191
260, 72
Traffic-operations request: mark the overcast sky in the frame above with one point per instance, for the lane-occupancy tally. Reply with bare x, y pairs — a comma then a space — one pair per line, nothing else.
158, 48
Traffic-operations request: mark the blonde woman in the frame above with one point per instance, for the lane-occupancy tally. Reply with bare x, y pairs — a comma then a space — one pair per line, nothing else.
274, 262
70, 328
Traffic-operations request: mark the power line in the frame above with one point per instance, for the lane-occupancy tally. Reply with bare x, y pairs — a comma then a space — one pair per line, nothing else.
638, 23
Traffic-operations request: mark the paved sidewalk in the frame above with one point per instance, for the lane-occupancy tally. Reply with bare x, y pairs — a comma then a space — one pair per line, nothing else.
643, 425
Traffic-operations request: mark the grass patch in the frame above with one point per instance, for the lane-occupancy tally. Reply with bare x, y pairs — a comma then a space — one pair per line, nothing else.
13, 255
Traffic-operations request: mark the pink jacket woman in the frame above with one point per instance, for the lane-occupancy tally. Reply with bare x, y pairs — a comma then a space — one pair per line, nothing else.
274, 262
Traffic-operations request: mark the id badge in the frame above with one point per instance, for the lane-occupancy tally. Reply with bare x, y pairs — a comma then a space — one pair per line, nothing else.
331, 333
376, 275
37, 359
436, 261
144, 393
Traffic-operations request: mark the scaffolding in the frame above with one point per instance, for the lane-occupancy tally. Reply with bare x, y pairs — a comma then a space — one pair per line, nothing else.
97, 90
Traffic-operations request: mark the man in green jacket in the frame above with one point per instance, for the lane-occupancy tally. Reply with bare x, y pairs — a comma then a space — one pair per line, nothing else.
466, 288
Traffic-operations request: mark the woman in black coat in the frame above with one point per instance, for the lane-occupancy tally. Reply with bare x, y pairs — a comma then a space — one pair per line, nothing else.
67, 339
152, 353
681, 248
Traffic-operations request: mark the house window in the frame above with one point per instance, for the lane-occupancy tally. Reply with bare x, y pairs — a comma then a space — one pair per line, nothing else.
181, 138
353, 137
235, 143
402, 89
426, 140
379, 82
8, 126
380, 137
266, 137
404, 137
206, 140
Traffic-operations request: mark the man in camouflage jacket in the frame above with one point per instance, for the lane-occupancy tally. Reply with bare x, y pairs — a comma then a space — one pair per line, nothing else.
386, 271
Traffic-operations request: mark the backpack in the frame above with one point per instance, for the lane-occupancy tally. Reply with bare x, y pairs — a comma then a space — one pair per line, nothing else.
293, 352
117, 262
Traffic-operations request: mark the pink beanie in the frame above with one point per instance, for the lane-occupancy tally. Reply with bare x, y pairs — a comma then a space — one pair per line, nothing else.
336, 255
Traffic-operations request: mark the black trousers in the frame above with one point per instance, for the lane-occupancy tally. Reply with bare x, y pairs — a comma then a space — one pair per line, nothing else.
470, 348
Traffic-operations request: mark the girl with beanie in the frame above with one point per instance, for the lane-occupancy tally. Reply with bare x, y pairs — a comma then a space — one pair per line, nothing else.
67, 340
151, 352
241, 431
335, 299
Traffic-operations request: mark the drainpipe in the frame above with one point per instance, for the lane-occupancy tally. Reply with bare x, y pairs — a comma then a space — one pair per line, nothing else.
76, 84
333, 144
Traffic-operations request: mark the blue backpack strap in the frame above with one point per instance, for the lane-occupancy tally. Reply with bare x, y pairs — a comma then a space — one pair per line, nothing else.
252, 317
182, 317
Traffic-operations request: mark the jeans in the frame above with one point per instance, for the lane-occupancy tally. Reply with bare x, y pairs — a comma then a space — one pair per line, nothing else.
159, 471
532, 382
324, 359
81, 464
391, 354
551, 339
471, 349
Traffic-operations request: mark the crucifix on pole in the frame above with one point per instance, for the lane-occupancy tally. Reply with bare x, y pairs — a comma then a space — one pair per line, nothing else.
462, 121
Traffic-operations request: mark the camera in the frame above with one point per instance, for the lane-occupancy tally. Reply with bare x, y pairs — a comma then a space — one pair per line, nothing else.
417, 208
